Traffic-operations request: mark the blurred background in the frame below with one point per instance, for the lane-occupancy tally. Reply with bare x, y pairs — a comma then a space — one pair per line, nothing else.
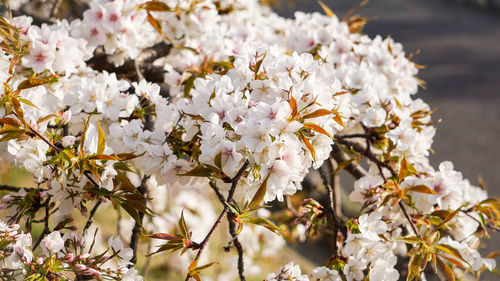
459, 43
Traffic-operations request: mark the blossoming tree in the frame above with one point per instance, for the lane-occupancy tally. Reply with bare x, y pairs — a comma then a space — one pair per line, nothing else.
183, 116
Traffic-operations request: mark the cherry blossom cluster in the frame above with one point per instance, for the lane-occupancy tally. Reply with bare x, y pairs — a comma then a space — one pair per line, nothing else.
21, 261
249, 104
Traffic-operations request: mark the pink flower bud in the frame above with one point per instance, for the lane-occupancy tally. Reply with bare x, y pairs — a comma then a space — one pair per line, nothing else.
80, 266
69, 257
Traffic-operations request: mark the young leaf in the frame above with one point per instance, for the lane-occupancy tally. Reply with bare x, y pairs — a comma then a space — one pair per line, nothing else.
101, 143
316, 128
325, 8
421, 189
448, 273
259, 195
183, 226
163, 236
308, 145
265, 223
318, 113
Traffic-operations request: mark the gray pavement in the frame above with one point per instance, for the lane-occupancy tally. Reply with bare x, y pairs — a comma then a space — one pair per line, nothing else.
460, 45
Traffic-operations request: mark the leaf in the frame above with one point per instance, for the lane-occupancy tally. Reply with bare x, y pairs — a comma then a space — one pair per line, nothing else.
493, 255
259, 194
343, 164
155, 23
82, 139
124, 182
448, 273
325, 8
132, 212
10, 121
421, 189
316, 128
308, 145
414, 267
45, 118
199, 171
218, 160
101, 141
451, 251
30, 83
163, 236
155, 6
410, 239
318, 113
293, 104
182, 226
25, 101
405, 169
265, 223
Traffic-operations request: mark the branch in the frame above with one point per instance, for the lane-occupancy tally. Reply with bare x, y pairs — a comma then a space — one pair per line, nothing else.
91, 216
325, 170
11, 188
45, 225
134, 238
234, 235
234, 183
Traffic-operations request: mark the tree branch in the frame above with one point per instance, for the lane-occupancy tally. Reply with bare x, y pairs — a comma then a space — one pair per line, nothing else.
134, 238
234, 183
234, 235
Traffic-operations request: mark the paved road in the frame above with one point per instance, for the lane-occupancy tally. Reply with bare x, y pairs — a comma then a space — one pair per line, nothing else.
460, 46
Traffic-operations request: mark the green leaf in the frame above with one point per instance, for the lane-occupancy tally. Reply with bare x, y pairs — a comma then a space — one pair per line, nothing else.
30, 83
405, 169
259, 195
218, 160
265, 223
199, 171
101, 143
82, 139
450, 251
410, 239
414, 267
25, 101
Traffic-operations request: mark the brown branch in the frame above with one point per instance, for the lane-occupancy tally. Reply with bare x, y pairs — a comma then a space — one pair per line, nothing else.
12, 188
46, 229
91, 216
325, 171
134, 238
234, 183
234, 235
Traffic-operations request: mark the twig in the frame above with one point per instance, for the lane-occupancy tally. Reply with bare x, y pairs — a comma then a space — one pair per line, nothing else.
134, 238
45, 226
234, 183
91, 216
324, 172
408, 218
234, 235
11, 188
